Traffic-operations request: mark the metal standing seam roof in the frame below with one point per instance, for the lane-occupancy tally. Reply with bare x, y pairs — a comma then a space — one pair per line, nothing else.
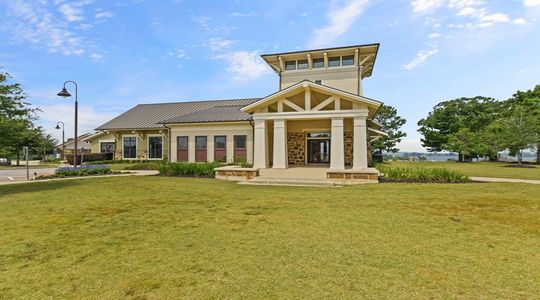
149, 116
213, 114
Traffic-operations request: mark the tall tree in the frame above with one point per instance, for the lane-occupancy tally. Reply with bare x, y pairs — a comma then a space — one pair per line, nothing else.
449, 117
518, 131
531, 101
17, 118
464, 141
391, 124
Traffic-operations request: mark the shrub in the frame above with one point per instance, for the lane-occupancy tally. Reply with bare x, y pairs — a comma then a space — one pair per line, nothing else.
114, 162
188, 169
242, 161
89, 157
85, 170
143, 166
435, 175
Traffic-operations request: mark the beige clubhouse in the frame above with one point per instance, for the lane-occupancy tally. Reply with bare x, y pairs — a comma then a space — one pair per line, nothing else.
319, 116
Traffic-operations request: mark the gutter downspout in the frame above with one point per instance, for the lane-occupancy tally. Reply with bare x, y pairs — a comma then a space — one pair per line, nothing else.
170, 143
253, 137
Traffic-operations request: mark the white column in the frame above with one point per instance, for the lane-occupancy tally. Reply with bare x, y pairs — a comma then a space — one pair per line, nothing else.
280, 144
360, 147
191, 148
337, 146
260, 158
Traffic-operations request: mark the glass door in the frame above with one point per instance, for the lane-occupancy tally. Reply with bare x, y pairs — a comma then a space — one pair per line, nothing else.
319, 151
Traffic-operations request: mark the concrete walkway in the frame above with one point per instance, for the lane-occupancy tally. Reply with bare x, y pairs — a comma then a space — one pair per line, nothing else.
492, 179
132, 173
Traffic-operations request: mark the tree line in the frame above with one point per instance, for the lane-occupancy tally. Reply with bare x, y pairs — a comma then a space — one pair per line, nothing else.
483, 127
17, 122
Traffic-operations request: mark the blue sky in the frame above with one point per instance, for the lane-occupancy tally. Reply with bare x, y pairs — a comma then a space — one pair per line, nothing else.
127, 52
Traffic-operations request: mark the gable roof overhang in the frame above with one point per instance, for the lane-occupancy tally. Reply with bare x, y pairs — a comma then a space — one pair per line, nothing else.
372, 104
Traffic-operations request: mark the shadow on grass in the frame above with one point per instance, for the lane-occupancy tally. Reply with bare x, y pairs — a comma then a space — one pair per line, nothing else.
12, 189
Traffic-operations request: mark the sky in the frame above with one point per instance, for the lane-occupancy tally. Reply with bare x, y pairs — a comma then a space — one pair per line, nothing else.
126, 52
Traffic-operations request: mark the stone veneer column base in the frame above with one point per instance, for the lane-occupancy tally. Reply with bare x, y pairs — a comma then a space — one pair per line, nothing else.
369, 175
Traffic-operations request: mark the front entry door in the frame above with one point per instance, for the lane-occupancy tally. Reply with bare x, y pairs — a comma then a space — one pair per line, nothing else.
319, 151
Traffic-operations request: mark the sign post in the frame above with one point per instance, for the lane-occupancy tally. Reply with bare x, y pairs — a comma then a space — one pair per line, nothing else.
25, 152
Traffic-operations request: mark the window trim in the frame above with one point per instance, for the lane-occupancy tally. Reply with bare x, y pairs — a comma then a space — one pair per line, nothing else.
338, 60
136, 146
205, 148
298, 64
317, 59
291, 61
148, 136
352, 59
107, 141
187, 148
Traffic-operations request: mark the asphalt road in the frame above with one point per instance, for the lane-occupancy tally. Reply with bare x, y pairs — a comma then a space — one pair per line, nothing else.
20, 174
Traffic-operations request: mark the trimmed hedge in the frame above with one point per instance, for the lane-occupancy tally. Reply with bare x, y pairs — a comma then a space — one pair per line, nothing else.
188, 169
143, 166
83, 171
119, 161
428, 175
90, 157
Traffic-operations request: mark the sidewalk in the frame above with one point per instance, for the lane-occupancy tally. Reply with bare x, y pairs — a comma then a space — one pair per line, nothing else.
132, 173
491, 179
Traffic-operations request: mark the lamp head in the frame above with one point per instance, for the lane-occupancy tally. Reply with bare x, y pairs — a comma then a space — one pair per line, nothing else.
64, 93
57, 126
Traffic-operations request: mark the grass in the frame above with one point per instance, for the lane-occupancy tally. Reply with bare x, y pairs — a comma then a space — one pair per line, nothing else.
166, 237
479, 169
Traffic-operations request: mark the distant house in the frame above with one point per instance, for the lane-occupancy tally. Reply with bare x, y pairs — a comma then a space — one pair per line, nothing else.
319, 116
82, 145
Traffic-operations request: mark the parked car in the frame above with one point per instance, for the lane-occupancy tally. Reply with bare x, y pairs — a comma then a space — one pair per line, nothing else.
5, 162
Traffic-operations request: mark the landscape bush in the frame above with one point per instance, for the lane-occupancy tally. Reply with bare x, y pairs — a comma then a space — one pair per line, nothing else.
433, 175
85, 170
89, 157
143, 166
119, 161
188, 169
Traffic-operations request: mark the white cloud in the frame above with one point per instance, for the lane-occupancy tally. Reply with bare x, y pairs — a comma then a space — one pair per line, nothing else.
531, 2
89, 118
434, 35
245, 66
103, 15
242, 14
178, 53
425, 6
420, 59
37, 23
520, 21
71, 13
341, 17
465, 3
219, 44
496, 18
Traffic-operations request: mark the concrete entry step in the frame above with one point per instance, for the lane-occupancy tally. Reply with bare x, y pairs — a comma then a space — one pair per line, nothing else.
290, 182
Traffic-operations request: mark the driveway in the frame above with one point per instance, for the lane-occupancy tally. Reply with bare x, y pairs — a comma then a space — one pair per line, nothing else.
19, 174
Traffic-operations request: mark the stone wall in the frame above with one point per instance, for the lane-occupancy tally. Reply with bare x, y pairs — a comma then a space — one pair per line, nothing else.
296, 148
348, 140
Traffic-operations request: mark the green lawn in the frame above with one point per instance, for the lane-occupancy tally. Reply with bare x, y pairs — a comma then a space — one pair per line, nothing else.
480, 169
162, 238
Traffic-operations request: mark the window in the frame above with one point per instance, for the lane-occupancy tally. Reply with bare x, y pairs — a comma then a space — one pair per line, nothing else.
318, 135
155, 147
182, 148
220, 148
200, 148
347, 60
130, 147
318, 63
302, 64
240, 142
106, 147
290, 65
318, 81
334, 61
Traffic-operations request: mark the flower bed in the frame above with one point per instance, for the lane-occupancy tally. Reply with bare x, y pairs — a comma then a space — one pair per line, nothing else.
427, 175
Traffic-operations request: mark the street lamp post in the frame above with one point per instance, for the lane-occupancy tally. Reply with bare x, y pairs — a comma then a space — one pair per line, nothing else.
63, 139
64, 93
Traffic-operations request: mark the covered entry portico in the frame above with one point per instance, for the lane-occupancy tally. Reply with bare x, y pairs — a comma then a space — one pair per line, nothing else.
309, 123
